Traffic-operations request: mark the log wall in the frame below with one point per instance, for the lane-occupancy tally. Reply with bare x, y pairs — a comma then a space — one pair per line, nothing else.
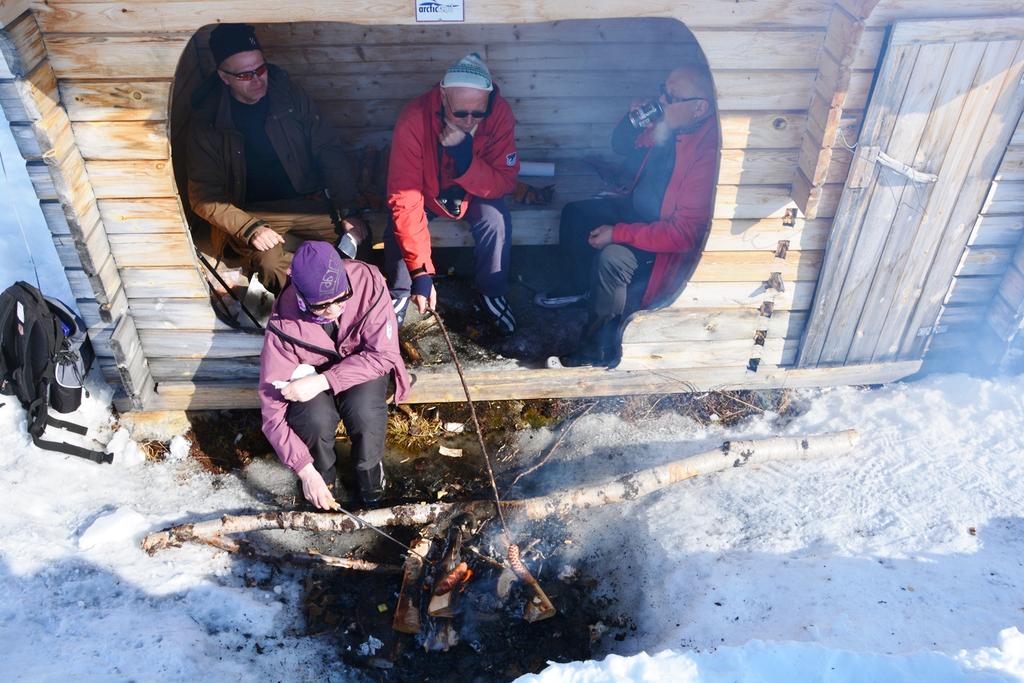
114, 65
44, 135
568, 83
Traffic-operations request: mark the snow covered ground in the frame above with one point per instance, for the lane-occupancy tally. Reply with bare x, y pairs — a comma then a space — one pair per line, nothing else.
900, 562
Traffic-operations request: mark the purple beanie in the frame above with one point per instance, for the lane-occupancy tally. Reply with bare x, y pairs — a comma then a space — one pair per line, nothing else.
317, 272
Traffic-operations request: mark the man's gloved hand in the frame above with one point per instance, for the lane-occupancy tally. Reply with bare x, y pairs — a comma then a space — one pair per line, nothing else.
314, 488
264, 238
423, 293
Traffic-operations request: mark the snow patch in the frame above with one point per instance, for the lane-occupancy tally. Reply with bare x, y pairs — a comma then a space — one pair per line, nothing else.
125, 451
782, 662
179, 449
118, 527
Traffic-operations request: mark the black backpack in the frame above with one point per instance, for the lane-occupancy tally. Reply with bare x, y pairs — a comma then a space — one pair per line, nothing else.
44, 356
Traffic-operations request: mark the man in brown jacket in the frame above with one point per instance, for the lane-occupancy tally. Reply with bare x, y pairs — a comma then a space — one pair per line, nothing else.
261, 162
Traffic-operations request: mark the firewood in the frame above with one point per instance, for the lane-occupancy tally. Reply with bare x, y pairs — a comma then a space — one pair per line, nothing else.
443, 602
731, 455
443, 605
407, 611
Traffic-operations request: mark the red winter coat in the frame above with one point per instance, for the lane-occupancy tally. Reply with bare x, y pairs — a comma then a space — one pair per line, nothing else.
413, 182
367, 348
685, 210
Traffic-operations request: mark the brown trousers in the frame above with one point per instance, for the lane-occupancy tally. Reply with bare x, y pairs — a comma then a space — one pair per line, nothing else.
297, 220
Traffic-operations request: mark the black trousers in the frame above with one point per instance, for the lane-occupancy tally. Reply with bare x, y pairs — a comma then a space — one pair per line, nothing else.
615, 275
364, 413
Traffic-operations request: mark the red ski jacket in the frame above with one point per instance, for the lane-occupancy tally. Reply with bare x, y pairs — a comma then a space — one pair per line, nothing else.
685, 210
414, 179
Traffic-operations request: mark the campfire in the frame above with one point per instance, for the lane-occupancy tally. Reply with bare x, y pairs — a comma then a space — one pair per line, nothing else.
436, 575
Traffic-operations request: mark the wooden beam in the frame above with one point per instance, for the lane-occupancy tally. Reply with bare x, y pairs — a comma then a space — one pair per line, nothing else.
768, 201
138, 216
11, 10
831, 86
134, 100
25, 139
132, 140
973, 290
750, 295
985, 261
10, 101
21, 47
977, 29
131, 179
154, 283
711, 324
699, 354
998, 230
442, 386
189, 15
744, 266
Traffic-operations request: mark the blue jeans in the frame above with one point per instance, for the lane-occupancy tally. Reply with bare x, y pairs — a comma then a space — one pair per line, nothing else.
491, 227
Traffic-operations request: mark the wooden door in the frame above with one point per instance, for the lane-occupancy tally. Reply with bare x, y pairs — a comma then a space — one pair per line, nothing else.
946, 101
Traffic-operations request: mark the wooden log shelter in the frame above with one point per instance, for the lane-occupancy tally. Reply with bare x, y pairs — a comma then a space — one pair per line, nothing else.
867, 217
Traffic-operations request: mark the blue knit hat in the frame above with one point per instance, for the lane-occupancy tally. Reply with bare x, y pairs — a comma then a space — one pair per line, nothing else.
468, 72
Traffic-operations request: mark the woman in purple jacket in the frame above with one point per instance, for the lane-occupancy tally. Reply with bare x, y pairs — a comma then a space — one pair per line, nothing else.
331, 345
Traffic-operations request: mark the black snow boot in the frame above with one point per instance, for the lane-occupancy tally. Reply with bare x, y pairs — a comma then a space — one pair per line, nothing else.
372, 484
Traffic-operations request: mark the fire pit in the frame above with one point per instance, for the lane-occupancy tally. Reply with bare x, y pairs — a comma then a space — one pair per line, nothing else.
480, 630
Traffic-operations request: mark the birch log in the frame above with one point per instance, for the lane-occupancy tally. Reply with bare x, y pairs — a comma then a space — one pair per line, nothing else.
730, 455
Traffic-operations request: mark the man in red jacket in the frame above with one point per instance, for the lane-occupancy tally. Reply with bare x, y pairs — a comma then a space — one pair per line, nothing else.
644, 236
453, 155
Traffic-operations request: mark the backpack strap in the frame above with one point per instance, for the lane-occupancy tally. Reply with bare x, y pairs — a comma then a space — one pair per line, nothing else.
70, 426
37, 423
70, 449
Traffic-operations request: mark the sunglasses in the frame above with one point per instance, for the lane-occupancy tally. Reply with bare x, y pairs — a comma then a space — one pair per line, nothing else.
465, 114
672, 99
462, 113
320, 308
249, 75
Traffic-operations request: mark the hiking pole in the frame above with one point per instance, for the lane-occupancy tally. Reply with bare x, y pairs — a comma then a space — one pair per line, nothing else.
363, 523
476, 422
229, 290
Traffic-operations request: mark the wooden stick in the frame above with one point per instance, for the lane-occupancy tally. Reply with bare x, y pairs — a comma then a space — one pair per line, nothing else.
476, 421
202, 532
246, 549
443, 603
407, 611
731, 455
